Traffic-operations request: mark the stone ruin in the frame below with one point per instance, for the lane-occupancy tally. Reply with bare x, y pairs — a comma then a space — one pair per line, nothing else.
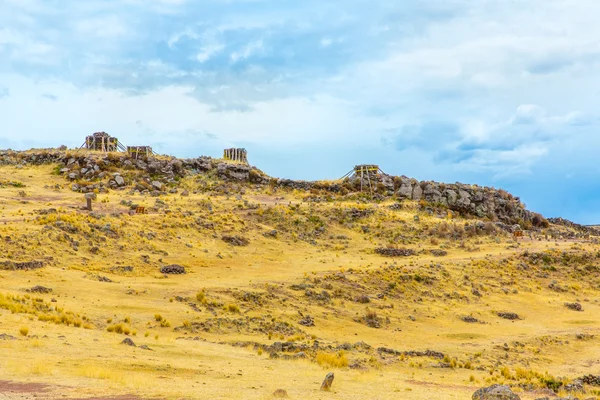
102, 141
237, 155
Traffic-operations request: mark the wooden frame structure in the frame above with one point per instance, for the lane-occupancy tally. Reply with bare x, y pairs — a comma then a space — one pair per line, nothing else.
237, 155
102, 141
366, 173
139, 151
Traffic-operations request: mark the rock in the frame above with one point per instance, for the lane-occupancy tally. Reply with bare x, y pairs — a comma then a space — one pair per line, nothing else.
157, 185
575, 386
280, 394
128, 342
39, 289
91, 196
185, 193
508, 315
392, 252
405, 191
119, 180
326, 385
236, 240
72, 176
574, 306
593, 380
173, 269
495, 392
307, 321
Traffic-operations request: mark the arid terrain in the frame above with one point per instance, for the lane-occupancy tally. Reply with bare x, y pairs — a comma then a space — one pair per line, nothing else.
231, 289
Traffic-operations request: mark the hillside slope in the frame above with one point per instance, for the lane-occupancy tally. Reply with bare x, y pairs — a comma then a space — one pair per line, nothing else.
284, 281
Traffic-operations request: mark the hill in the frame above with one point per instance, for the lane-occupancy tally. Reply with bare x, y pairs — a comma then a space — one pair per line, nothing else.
234, 284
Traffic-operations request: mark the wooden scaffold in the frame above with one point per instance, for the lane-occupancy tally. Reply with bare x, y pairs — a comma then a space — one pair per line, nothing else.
237, 155
367, 173
139, 151
102, 141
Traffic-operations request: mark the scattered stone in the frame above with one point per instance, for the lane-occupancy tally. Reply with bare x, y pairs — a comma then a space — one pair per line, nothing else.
470, 319
391, 252
574, 306
575, 386
39, 289
173, 269
495, 392
307, 321
128, 342
280, 394
508, 315
326, 385
119, 180
185, 193
593, 380
438, 252
21, 266
412, 353
236, 240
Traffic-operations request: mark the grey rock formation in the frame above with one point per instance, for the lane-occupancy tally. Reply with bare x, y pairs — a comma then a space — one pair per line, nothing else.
495, 392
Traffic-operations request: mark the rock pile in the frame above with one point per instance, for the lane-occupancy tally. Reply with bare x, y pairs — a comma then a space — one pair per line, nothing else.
39, 289
236, 240
593, 380
574, 306
173, 269
495, 392
21, 265
392, 252
508, 315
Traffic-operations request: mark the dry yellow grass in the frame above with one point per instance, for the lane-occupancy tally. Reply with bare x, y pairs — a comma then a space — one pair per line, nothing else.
253, 295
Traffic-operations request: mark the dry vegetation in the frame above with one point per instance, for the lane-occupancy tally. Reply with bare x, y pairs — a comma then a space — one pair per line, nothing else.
278, 290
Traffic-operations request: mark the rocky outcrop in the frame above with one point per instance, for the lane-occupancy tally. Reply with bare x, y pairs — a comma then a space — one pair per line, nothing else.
156, 175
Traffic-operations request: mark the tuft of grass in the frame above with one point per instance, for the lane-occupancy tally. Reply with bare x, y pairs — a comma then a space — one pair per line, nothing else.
24, 330
332, 360
234, 308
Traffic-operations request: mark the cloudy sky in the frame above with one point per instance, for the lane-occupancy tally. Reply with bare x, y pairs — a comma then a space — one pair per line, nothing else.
502, 93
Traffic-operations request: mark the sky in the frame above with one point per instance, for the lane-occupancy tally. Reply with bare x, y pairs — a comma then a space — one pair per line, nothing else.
502, 93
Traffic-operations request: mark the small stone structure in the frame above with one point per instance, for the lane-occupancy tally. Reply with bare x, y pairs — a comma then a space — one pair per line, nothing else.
237, 155
139, 151
102, 141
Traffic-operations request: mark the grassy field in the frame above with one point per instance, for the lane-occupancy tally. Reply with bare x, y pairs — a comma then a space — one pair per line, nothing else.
259, 262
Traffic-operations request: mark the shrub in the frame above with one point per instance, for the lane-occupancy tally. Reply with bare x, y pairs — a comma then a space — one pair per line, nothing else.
24, 330
234, 308
329, 360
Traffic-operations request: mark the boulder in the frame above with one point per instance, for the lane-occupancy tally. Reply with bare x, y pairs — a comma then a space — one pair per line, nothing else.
119, 180
157, 185
417, 192
326, 385
405, 191
495, 392
128, 342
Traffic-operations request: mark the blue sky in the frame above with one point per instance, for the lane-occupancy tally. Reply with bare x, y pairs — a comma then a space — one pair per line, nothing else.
495, 92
